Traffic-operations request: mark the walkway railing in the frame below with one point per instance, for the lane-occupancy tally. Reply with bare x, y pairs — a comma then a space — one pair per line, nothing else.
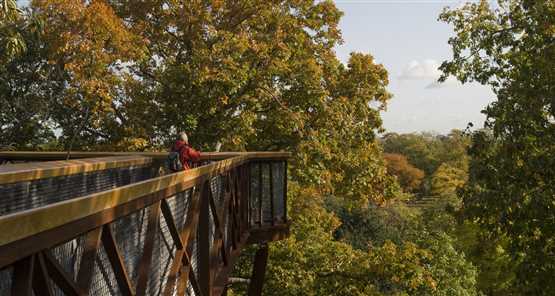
177, 234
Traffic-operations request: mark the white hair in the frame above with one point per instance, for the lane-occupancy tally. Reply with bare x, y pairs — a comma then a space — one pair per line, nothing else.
183, 136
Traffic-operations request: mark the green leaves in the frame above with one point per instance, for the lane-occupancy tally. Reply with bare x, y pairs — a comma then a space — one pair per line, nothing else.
8, 11
510, 190
11, 40
447, 179
310, 262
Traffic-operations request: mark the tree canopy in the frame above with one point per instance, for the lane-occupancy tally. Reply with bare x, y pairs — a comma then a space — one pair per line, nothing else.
511, 47
408, 176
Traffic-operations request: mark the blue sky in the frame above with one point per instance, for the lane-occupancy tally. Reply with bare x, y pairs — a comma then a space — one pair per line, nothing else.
407, 39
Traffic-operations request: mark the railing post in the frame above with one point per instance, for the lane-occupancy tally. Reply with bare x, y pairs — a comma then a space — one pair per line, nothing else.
116, 260
204, 242
22, 281
260, 195
285, 191
238, 200
246, 197
146, 260
271, 179
86, 267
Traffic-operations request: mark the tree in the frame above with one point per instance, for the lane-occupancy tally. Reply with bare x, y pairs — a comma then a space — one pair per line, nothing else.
89, 46
454, 273
11, 41
511, 190
372, 226
417, 148
230, 71
408, 176
428, 151
25, 88
447, 179
310, 262
69, 76
261, 75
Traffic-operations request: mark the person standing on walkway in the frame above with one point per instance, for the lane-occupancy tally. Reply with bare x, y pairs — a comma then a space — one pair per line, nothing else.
182, 156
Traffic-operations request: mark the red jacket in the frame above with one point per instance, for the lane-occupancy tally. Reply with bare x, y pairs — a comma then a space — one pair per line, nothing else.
187, 154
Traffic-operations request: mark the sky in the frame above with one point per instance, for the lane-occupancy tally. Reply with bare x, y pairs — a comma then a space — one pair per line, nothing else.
407, 39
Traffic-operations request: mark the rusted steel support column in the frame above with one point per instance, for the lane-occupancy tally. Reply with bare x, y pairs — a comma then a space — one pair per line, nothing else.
242, 202
260, 195
285, 191
204, 242
272, 212
258, 271
247, 194
23, 277
116, 260
41, 282
146, 260
86, 267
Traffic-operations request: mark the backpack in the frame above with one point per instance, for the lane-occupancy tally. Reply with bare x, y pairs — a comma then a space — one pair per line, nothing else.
174, 162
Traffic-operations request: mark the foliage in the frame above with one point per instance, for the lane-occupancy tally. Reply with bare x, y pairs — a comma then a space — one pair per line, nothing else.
11, 41
408, 176
428, 151
260, 75
417, 148
510, 190
310, 262
489, 253
26, 92
454, 273
439, 218
363, 228
89, 46
447, 179
495, 266
67, 77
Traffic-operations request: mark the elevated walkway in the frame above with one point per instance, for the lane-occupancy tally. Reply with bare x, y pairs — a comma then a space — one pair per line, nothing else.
114, 224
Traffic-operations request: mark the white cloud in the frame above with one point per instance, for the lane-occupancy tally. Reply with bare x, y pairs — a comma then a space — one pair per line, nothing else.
427, 69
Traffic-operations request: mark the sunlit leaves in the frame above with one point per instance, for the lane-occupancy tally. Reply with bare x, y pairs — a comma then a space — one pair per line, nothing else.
447, 179
11, 41
90, 46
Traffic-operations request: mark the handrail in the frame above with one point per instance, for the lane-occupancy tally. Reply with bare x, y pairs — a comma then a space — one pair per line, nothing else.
20, 172
27, 223
38, 155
